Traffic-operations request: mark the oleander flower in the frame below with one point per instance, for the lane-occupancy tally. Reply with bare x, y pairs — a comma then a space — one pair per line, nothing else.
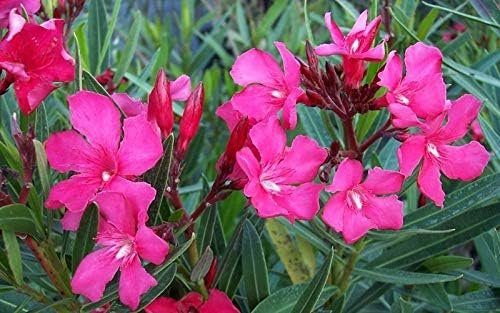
217, 302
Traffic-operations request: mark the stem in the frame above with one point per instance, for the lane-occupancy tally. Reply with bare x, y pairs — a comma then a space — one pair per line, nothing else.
375, 136
344, 280
350, 137
387, 21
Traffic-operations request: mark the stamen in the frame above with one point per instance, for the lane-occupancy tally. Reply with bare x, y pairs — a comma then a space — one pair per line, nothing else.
402, 99
270, 186
124, 251
433, 150
355, 46
106, 176
355, 199
278, 94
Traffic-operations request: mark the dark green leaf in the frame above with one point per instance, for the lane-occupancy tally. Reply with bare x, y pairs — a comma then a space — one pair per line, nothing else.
401, 306
479, 301
129, 49
447, 263
202, 266
392, 276
96, 31
84, 241
14, 255
487, 279
436, 295
90, 83
19, 218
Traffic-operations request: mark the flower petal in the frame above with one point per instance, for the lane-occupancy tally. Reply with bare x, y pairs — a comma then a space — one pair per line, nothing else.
390, 77
96, 117
180, 89
74, 193
71, 220
31, 93
256, 102
335, 32
290, 65
248, 163
149, 246
116, 210
333, 212
429, 100
269, 139
218, 302
461, 114
410, 153
130, 106
162, 305
385, 212
429, 181
265, 204
374, 54
382, 182
465, 162
330, 49
403, 116
302, 202
290, 109
349, 174
422, 61
141, 146
257, 66
360, 23
356, 225
93, 273
231, 116
304, 158
68, 151
134, 282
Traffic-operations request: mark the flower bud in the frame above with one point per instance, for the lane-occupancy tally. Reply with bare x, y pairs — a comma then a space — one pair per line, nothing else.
190, 120
236, 141
160, 104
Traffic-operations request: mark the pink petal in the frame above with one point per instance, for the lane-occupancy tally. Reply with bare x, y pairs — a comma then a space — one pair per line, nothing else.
31, 93
335, 32
333, 212
74, 193
231, 116
390, 76
290, 109
403, 116
134, 282
410, 153
257, 66
248, 163
269, 139
462, 113
302, 202
71, 220
356, 225
374, 54
256, 102
180, 89
93, 273
360, 23
429, 181
290, 65
422, 61
218, 302
304, 157
330, 49
266, 205
381, 182
31, 6
162, 305
96, 117
149, 246
429, 99
68, 151
116, 211
141, 146
15, 22
385, 212
465, 162
129, 105
349, 174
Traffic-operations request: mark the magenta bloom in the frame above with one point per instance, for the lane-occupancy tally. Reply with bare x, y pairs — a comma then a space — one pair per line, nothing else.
123, 237
268, 89
422, 89
432, 145
354, 48
280, 178
34, 58
217, 302
6, 6
359, 206
94, 152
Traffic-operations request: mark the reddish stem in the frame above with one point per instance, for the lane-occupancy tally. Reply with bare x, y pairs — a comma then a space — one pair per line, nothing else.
350, 137
375, 136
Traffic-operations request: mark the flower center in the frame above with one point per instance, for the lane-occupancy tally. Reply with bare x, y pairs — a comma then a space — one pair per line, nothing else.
124, 251
432, 149
354, 199
278, 94
270, 186
355, 46
402, 99
106, 176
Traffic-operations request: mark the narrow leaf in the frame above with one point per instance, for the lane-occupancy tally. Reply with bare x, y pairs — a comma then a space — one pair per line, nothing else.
14, 255
84, 241
392, 276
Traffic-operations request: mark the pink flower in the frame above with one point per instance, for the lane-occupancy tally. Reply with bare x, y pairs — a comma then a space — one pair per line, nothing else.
94, 152
280, 178
476, 131
129, 106
161, 97
123, 237
355, 47
6, 6
217, 302
268, 89
422, 89
34, 58
431, 145
357, 207
190, 120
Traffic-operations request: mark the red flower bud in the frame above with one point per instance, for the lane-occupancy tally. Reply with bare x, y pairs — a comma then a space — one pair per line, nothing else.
209, 278
236, 141
160, 104
190, 120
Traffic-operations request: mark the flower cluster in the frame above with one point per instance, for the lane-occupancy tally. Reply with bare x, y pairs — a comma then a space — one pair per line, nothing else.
279, 180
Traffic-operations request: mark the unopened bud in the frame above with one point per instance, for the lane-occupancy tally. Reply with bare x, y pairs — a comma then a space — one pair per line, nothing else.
160, 104
190, 121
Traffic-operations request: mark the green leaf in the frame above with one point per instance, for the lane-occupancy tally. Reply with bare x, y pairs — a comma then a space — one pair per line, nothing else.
129, 49
447, 263
242, 22
78, 65
90, 83
84, 241
313, 126
42, 166
392, 276
202, 266
426, 24
109, 32
308, 299
464, 15
401, 306
14, 255
436, 295
19, 218
271, 16
283, 300
479, 301
208, 222
488, 249
254, 266
487, 279
96, 31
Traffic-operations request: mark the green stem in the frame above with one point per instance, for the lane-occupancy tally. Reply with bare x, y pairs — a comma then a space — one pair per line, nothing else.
344, 280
